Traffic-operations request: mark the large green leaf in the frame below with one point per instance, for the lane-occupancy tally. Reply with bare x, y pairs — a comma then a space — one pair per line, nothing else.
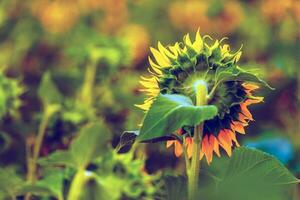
252, 174
175, 188
249, 175
255, 162
170, 112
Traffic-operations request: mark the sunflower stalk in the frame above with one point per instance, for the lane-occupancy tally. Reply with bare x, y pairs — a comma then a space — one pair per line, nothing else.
88, 84
77, 185
193, 173
33, 159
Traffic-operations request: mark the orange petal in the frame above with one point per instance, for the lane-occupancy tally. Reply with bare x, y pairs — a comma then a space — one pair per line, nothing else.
189, 143
178, 149
216, 146
225, 142
233, 137
201, 154
207, 148
250, 87
246, 112
243, 118
238, 126
254, 100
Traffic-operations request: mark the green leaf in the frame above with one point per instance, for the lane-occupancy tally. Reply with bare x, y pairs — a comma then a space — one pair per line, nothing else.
63, 158
171, 112
235, 73
91, 143
10, 183
255, 162
48, 91
51, 185
127, 139
252, 174
175, 188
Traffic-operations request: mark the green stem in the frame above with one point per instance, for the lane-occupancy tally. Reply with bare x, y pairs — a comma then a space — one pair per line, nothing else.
193, 175
77, 184
32, 160
88, 84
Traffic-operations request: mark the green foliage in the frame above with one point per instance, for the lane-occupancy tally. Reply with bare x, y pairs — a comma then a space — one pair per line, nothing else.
171, 112
96, 48
260, 164
10, 90
48, 91
124, 176
113, 172
248, 174
10, 183
172, 185
51, 66
50, 185
252, 170
64, 158
235, 73
127, 139
88, 145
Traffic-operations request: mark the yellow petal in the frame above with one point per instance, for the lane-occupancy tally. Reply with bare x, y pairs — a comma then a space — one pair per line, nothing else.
155, 67
161, 48
160, 59
187, 40
225, 50
237, 56
175, 49
198, 44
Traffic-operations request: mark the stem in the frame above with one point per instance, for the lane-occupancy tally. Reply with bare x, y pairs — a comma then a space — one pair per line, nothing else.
77, 184
32, 159
193, 178
88, 84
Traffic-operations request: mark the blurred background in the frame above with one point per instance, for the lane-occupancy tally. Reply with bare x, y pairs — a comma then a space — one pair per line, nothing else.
96, 51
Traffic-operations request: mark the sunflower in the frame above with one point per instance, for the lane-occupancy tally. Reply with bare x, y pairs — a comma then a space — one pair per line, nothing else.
178, 66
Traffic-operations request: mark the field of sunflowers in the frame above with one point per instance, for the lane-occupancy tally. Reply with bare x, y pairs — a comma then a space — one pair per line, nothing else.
150, 100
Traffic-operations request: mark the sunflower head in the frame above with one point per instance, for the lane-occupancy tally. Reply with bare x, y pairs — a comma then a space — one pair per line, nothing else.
176, 69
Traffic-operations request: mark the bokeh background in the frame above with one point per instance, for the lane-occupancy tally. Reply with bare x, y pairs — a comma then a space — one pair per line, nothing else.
96, 51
